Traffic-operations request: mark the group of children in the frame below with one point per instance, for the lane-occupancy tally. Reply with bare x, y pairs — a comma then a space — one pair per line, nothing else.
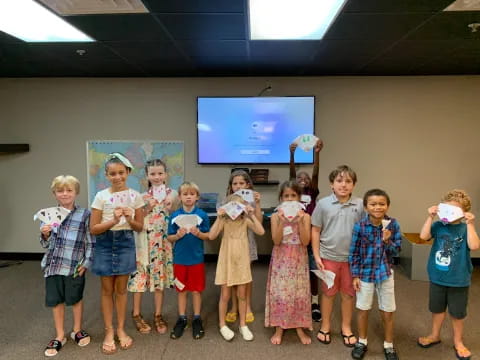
351, 237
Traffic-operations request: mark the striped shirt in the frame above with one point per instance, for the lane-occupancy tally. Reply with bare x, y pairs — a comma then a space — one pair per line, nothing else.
370, 258
70, 245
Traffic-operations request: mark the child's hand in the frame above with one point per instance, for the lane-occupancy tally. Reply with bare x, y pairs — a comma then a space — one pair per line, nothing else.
195, 231
300, 215
221, 212
46, 231
293, 147
181, 233
318, 146
281, 216
432, 211
356, 284
256, 197
117, 214
81, 270
249, 210
168, 203
319, 264
469, 217
387, 234
128, 213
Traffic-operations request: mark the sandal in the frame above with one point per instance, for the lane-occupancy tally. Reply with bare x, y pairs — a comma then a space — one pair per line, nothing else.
80, 337
160, 325
109, 348
141, 325
249, 318
346, 340
325, 334
459, 352
125, 342
427, 342
231, 317
55, 345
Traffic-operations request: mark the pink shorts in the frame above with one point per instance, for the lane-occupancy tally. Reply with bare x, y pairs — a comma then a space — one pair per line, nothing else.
189, 277
343, 278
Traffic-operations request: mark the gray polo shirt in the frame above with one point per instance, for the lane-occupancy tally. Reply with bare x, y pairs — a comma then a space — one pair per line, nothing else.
336, 220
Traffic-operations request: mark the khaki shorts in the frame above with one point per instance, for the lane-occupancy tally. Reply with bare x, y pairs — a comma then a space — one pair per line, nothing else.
385, 294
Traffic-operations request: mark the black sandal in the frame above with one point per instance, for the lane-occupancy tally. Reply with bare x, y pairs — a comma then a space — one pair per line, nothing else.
325, 334
346, 340
54, 345
81, 337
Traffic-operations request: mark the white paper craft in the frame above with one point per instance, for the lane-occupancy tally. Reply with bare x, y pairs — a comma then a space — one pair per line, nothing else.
233, 209
122, 199
306, 199
179, 284
159, 192
53, 216
246, 195
449, 213
326, 275
306, 142
187, 221
290, 209
385, 223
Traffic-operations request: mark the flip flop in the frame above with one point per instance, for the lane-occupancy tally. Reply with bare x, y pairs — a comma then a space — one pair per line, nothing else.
346, 340
54, 345
325, 334
430, 343
460, 357
81, 337
109, 348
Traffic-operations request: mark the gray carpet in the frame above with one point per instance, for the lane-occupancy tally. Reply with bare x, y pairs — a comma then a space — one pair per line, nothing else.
26, 325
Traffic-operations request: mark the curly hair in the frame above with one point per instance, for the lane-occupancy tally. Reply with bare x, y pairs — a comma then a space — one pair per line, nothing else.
459, 196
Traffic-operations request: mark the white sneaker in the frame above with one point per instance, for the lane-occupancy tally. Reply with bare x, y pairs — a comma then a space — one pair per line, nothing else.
246, 333
227, 333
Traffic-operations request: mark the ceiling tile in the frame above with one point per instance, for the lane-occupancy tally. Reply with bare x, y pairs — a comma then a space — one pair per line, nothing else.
195, 6
388, 6
280, 48
214, 47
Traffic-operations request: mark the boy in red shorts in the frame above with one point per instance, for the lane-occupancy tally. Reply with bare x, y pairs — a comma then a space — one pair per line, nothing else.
188, 262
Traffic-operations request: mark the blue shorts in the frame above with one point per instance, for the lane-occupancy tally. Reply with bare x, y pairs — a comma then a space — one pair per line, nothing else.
114, 253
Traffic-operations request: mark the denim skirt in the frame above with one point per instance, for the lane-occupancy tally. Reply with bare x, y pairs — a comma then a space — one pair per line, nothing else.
114, 253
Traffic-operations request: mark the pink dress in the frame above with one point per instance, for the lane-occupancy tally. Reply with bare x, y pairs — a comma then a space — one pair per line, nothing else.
288, 299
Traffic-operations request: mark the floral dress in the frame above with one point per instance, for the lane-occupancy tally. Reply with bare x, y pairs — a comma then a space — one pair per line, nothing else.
288, 299
154, 251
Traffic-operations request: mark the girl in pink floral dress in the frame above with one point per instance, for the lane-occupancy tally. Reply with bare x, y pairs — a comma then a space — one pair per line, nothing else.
154, 253
288, 299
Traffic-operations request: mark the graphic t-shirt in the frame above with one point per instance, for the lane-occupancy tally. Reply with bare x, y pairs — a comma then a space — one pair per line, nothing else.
449, 263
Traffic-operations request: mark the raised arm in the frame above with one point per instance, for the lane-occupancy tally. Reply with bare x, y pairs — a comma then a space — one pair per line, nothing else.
293, 171
472, 237
425, 233
316, 163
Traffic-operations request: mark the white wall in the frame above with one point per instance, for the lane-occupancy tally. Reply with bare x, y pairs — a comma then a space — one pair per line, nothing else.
416, 137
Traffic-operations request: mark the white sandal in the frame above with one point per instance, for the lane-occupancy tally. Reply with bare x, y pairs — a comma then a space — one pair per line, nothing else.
227, 333
246, 333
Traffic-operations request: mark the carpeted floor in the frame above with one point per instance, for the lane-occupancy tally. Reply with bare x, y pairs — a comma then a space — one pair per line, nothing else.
26, 325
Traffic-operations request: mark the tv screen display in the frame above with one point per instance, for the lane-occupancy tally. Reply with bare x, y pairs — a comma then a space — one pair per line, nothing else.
253, 130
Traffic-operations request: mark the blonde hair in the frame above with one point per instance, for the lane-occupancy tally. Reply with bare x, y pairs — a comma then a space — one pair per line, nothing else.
459, 196
62, 181
187, 185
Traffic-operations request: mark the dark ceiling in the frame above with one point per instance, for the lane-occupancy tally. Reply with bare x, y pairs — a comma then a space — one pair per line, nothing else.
210, 38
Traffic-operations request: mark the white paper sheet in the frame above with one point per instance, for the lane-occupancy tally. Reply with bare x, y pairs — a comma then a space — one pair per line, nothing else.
326, 275
385, 223
159, 192
233, 209
306, 142
187, 221
449, 213
246, 195
122, 199
290, 209
53, 216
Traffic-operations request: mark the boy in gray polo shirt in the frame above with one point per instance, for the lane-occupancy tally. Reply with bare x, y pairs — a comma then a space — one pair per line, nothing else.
332, 225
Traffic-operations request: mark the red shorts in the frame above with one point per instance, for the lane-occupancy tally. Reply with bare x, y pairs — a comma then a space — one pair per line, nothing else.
191, 276
343, 278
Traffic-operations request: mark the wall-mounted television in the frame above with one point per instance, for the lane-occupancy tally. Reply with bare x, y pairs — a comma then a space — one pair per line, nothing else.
253, 130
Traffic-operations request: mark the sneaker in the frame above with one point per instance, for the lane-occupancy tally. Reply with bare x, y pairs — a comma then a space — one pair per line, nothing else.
227, 334
316, 314
246, 333
178, 329
390, 353
197, 329
359, 351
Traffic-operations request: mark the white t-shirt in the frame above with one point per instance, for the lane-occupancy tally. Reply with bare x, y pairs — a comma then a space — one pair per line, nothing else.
104, 201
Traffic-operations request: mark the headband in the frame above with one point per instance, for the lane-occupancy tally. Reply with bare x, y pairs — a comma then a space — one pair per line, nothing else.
122, 158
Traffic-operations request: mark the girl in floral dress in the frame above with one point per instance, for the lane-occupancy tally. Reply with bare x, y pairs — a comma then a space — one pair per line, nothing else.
154, 253
288, 299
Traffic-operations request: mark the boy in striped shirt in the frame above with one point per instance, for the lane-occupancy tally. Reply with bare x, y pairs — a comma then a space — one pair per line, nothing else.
376, 240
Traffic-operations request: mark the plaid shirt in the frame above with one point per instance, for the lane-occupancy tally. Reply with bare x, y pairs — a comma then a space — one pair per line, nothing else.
370, 258
70, 245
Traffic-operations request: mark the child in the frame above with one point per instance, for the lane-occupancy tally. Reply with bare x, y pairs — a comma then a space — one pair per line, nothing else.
114, 256
376, 239
450, 270
287, 302
240, 179
310, 192
154, 252
69, 254
333, 220
189, 267
233, 266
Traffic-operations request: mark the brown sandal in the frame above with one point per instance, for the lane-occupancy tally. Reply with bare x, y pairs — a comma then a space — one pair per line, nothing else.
160, 324
140, 324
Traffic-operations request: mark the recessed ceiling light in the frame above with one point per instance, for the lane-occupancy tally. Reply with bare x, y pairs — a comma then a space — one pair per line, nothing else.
31, 22
292, 20
464, 5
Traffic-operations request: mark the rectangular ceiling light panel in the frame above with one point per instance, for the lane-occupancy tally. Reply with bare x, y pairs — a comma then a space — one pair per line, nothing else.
31, 22
84, 7
464, 5
292, 20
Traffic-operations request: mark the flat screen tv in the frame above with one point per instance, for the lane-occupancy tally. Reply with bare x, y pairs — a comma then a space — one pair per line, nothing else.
253, 130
